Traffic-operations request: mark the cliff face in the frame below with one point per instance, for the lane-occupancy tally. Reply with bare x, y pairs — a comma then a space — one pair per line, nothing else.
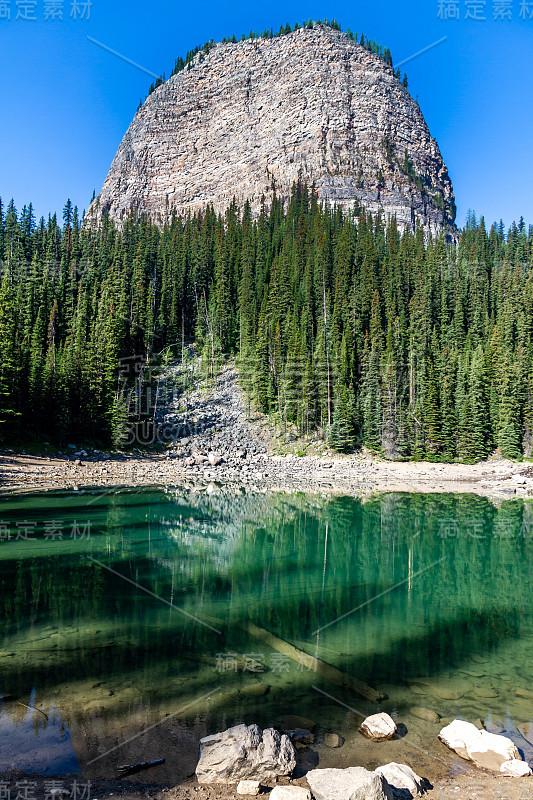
259, 114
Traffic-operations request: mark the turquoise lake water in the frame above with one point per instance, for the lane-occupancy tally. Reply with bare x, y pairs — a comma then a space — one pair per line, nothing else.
127, 609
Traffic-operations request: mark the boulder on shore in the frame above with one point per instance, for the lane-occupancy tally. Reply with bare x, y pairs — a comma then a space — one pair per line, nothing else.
404, 781
486, 750
249, 787
244, 752
290, 793
352, 783
515, 769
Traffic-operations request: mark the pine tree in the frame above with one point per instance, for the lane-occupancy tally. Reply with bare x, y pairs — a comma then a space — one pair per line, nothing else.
508, 440
341, 435
9, 361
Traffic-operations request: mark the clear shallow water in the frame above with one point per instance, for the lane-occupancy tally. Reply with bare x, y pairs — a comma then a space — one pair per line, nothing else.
425, 597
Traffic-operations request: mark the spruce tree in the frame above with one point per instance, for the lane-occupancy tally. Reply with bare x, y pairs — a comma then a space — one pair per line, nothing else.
341, 435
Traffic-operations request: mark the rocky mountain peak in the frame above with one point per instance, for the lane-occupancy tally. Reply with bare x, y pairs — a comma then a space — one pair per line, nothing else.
252, 117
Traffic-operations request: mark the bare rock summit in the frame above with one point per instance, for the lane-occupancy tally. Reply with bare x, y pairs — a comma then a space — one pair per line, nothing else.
256, 116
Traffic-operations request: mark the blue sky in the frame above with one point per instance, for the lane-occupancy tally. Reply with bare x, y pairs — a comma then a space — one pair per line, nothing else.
66, 102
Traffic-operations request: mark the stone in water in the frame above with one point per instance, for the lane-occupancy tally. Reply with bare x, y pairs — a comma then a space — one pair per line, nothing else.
378, 727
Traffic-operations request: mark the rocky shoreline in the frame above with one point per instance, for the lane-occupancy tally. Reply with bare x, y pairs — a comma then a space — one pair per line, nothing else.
296, 765
204, 469
216, 440
253, 760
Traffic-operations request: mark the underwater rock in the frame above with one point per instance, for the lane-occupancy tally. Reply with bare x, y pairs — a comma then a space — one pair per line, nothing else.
473, 673
526, 693
447, 720
494, 727
353, 719
449, 689
300, 736
525, 728
256, 689
486, 692
425, 713
333, 740
292, 722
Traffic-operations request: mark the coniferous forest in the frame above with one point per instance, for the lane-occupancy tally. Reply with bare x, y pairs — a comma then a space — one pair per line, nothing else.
342, 326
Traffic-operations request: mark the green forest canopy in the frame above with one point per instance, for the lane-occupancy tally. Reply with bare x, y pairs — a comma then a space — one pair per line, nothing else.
341, 323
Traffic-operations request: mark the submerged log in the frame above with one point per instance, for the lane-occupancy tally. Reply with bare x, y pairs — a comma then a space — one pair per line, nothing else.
326, 671
140, 765
32, 708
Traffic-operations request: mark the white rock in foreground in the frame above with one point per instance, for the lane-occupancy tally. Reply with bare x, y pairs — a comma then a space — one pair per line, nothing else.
290, 793
249, 787
486, 750
515, 769
245, 753
353, 783
402, 777
378, 726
